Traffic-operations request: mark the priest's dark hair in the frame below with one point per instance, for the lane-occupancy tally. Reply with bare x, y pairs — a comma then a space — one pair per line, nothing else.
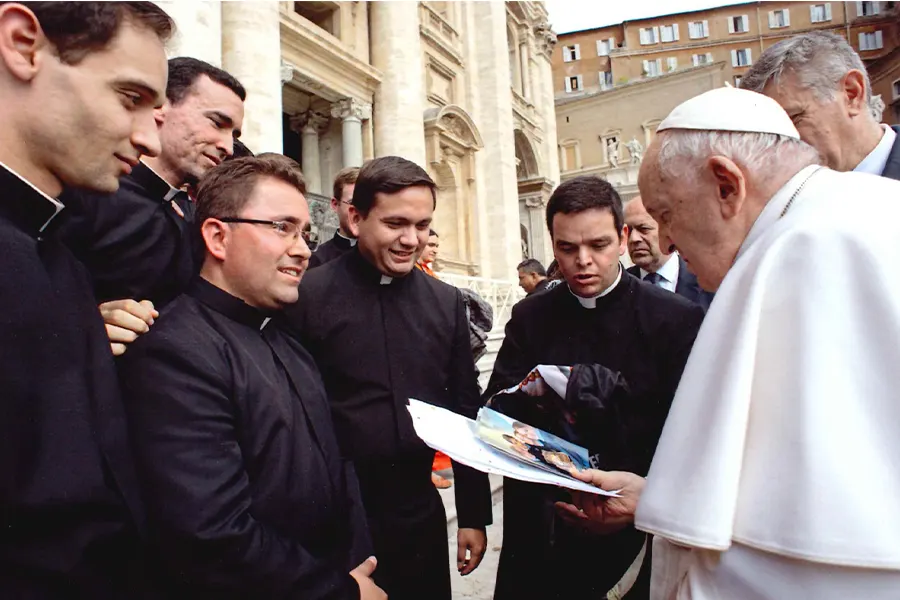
532, 265
225, 190
388, 175
184, 71
78, 28
584, 193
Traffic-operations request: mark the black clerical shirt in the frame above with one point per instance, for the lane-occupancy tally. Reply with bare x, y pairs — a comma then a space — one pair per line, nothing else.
246, 493
334, 248
133, 242
69, 503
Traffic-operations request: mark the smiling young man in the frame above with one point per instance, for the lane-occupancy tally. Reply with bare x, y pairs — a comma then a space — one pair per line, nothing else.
138, 244
246, 492
382, 332
79, 82
600, 315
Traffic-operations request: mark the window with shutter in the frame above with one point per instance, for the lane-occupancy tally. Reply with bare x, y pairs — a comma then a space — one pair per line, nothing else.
602, 48
709, 57
671, 63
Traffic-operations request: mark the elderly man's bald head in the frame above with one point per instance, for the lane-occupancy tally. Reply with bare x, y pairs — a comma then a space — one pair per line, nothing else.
643, 238
705, 189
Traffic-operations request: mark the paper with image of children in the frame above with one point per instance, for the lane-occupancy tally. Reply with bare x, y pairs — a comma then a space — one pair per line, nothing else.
498, 443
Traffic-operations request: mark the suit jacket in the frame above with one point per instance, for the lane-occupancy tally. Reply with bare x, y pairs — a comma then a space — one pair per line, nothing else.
687, 285
892, 168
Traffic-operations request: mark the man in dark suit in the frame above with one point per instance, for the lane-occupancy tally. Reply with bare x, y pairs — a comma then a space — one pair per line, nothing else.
532, 276
837, 115
652, 264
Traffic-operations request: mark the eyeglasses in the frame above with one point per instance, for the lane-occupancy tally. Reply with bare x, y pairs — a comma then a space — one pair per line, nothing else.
283, 228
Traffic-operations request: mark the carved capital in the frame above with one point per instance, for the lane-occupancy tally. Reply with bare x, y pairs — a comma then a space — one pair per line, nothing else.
349, 108
535, 202
545, 37
309, 122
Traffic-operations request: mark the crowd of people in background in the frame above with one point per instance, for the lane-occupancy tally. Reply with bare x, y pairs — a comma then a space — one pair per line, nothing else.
198, 405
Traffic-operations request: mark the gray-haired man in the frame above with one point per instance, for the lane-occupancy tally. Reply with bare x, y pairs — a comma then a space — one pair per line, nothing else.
822, 84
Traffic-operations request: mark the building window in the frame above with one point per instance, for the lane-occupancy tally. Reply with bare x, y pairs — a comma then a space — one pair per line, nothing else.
570, 156
611, 149
574, 84
702, 59
698, 29
741, 58
604, 47
571, 53
867, 9
671, 63
669, 33
325, 15
737, 80
779, 18
739, 24
649, 35
820, 13
606, 80
871, 41
652, 68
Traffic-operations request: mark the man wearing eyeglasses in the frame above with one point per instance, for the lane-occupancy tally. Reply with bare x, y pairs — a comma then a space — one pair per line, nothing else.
247, 495
343, 240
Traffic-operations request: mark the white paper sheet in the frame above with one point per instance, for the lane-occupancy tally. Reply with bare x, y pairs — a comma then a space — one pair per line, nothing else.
454, 435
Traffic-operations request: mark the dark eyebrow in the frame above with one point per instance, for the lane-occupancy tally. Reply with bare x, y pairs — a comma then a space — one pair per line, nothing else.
145, 90
228, 121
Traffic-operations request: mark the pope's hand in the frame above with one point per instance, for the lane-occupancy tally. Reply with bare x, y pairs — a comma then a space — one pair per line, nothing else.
604, 514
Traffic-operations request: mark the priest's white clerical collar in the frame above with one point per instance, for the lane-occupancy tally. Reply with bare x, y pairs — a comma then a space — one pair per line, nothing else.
264, 323
57, 205
592, 301
385, 280
778, 206
172, 191
351, 241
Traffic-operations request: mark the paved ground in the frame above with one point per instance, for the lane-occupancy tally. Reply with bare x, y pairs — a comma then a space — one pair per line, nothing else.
480, 584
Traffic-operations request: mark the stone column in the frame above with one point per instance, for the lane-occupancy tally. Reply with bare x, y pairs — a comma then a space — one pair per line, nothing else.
251, 46
543, 96
352, 113
400, 99
308, 125
495, 122
199, 29
525, 63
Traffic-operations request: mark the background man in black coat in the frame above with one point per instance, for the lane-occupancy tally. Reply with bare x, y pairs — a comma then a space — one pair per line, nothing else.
246, 492
139, 243
343, 240
822, 84
78, 85
655, 265
382, 332
601, 316
532, 276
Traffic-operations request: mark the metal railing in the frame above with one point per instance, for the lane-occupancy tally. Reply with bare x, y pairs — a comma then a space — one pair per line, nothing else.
501, 294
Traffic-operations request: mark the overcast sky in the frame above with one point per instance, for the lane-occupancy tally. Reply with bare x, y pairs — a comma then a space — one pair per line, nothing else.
575, 15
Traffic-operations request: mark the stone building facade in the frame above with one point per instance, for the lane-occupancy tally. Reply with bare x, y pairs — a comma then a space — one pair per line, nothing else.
599, 59
464, 89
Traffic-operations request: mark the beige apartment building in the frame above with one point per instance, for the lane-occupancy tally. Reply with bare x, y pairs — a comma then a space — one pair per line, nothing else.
613, 85
465, 89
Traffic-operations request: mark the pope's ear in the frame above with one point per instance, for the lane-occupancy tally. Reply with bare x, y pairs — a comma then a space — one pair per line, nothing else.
215, 237
731, 187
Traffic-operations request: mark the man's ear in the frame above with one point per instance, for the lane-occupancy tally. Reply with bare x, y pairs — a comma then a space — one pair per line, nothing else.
623, 240
160, 114
216, 235
731, 187
21, 40
356, 218
853, 88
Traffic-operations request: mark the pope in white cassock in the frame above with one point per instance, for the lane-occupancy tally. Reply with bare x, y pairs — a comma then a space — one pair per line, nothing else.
778, 472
